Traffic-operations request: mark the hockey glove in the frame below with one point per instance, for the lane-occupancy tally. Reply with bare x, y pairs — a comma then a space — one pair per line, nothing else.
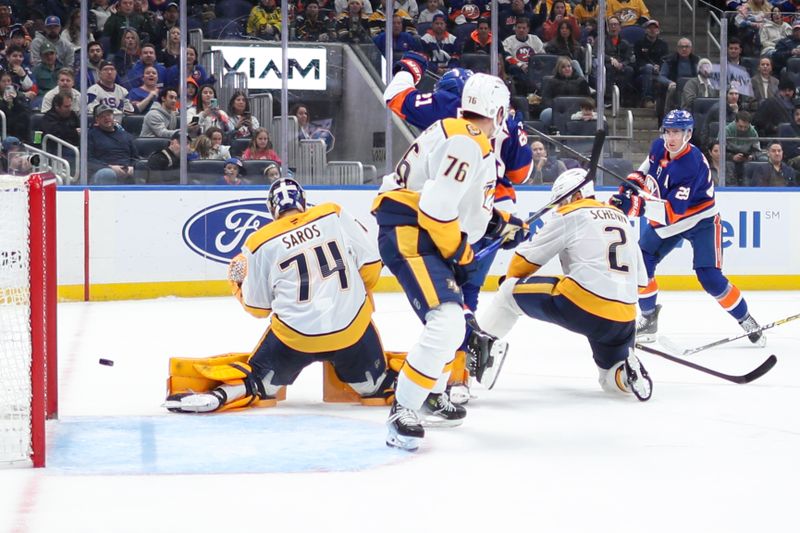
637, 178
512, 230
629, 202
412, 62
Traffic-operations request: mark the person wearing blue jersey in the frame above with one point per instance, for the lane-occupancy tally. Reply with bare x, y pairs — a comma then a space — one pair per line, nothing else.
677, 173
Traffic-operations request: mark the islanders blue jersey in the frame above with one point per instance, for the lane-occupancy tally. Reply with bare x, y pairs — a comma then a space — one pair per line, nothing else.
684, 182
423, 109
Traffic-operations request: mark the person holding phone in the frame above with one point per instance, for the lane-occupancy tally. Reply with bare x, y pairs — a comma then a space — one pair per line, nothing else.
243, 122
208, 112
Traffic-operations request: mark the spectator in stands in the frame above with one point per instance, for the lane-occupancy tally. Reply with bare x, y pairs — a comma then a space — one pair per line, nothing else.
102, 10
46, 72
440, 45
507, 18
352, 26
776, 109
169, 20
170, 157
586, 12
149, 28
13, 160
432, 7
21, 77
231, 171
764, 84
619, 60
749, 20
773, 30
18, 37
734, 51
310, 26
208, 111
566, 44
124, 18
480, 40
409, 6
681, 64
377, 20
261, 147
402, 41
61, 120
699, 86
791, 149
218, 150
742, 145
16, 109
202, 147
6, 23
143, 97
171, 53
52, 34
341, 6
776, 173
264, 21
194, 69
586, 112
71, 34
732, 107
650, 51
565, 82
629, 12
107, 92
147, 58
712, 157
191, 93
519, 48
242, 121
558, 14
162, 120
66, 84
544, 169
95, 55
787, 47
110, 149
127, 56
466, 11
272, 171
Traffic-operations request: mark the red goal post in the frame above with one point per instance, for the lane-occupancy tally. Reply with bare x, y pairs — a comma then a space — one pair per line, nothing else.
28, 297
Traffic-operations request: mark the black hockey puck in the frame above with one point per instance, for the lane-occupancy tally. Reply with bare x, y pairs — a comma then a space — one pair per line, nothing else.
107, 362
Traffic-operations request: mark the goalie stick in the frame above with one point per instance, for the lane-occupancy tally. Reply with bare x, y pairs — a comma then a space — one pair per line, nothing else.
753, 375
691, 351
597, 148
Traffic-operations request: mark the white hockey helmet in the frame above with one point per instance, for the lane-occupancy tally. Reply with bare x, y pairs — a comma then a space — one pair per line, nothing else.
487, 96
569, 180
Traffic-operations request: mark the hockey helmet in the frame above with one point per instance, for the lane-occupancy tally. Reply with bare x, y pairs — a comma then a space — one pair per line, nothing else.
678, 119
487, 96
285, 194
453, 81
567, 181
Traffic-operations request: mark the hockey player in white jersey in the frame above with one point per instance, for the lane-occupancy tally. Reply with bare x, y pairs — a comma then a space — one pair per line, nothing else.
598, 292
312, 270
437, 203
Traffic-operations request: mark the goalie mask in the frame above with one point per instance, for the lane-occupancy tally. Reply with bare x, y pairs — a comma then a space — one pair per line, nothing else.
285, 194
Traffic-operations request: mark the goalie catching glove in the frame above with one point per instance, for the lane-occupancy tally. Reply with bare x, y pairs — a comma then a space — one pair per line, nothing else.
628, 199
412, 62
510, 229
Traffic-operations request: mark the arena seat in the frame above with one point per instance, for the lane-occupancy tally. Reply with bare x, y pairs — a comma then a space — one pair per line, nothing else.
205, 171
146, 146
563, 108
238, 146
133, 124
750, 169
255, 170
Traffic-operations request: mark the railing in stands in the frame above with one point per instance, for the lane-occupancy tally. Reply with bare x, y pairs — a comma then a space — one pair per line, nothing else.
311, 160
69, 177
691, 5
261, 108
344, 173
3, 125
57, 165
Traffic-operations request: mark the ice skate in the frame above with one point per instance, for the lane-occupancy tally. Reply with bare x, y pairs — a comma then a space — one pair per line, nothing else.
486, 357
405, 429
191, 402
647, 326
637, 378
749, 324
439, 411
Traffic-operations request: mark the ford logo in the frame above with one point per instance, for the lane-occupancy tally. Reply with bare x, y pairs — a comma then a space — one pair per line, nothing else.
219, 231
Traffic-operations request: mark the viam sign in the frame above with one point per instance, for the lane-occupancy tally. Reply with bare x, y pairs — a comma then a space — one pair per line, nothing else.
262, 65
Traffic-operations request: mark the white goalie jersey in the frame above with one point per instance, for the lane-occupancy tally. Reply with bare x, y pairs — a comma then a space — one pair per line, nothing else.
452, 166
307, 269
598, 251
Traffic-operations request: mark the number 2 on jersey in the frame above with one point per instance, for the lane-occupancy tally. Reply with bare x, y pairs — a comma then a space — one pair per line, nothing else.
325, 268
613, 261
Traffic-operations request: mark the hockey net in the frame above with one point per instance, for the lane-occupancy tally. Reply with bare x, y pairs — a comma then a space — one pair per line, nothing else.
27, 316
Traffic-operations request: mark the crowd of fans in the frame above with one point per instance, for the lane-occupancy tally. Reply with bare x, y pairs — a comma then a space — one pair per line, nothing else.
542, 48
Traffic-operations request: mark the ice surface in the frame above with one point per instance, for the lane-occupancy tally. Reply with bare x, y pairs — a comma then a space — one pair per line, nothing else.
545, 450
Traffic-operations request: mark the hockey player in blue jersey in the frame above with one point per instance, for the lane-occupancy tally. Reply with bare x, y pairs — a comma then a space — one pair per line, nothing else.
677, 173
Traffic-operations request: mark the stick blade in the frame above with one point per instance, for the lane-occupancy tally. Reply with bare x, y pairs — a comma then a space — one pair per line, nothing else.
765, 367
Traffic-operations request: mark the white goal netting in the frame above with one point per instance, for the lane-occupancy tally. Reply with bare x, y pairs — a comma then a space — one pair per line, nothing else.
15, 328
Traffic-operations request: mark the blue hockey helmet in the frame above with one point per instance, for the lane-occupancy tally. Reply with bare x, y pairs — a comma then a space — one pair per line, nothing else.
453, 80
678, 119
285, 194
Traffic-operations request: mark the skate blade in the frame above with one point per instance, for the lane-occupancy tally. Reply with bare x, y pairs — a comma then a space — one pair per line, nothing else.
409, 444
188, 405
460, 394
490, 374
761, 342
646, 338
433, 421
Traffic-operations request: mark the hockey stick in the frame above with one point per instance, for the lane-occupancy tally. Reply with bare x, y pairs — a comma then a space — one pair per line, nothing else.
597, 148
690, 351
753, 375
